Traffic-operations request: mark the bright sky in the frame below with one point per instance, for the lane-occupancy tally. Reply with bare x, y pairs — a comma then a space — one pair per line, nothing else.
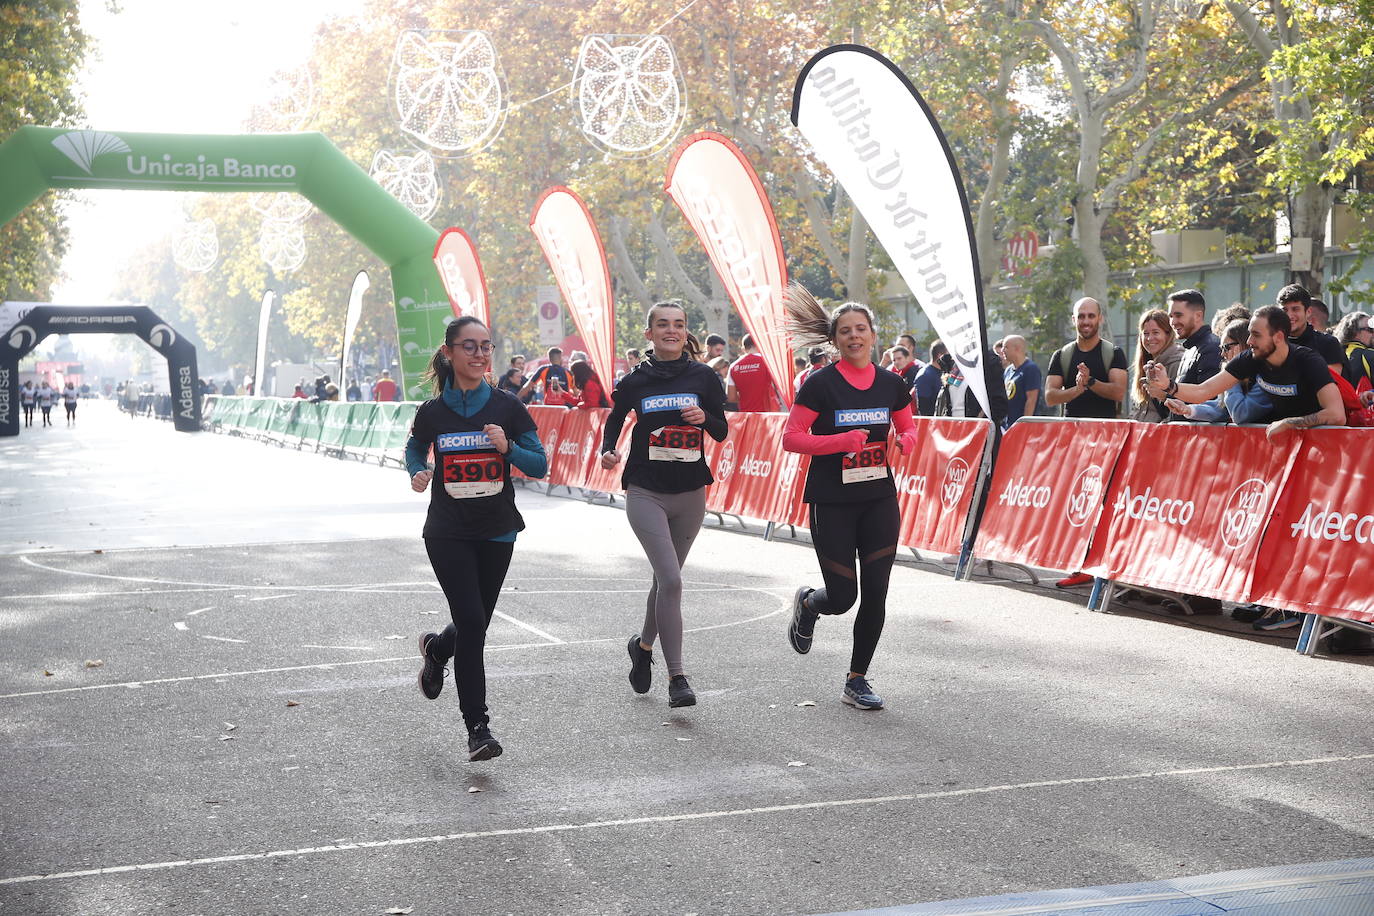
169, 66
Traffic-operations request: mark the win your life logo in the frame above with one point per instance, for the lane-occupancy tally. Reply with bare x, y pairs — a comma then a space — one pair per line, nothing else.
82, 146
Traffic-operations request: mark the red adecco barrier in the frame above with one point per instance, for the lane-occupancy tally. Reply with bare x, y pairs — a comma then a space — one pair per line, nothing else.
1046, 491
1187, 506
936, 483
1315, 555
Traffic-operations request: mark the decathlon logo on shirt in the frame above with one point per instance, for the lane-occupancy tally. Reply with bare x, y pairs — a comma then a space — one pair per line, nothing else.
458, 442
667, 402
867, 416
1278, 391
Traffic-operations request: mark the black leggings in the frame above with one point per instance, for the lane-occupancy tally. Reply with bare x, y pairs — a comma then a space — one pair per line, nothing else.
459, 565
842, 532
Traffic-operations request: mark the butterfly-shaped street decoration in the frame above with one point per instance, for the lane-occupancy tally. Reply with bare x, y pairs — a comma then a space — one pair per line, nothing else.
282, 245
195, 245
448, 90
630, 93
410, 178
289, 102
280, 205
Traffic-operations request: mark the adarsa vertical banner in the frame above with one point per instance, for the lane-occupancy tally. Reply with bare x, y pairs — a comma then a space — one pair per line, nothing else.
872, 128
572, 246
724, 202
460, 269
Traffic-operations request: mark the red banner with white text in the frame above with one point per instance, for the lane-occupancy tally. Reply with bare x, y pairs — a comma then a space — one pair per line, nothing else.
1319, 546
1046, 491
935, 483
724, 202
572, 246
460, 269
1167, 526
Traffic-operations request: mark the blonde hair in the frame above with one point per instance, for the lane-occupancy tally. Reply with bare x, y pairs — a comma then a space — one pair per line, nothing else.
807, 320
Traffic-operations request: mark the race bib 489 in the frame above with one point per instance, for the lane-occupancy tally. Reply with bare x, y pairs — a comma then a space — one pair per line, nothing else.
869, 463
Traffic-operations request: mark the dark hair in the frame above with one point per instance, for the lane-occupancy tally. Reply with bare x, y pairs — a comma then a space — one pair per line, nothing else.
937, 350
714, 339
902, 350
816, 355
799, 362
1237, 332
1294, 292
1190, 296
554, 350
747, 341
1275, 316
693, 346
1321, 307
514, 358
910, 338
807, 319
440, 368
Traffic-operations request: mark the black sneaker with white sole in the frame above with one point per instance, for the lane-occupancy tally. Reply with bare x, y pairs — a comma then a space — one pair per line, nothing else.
680, 692
802, 627
431, 670
481, 744
641, 662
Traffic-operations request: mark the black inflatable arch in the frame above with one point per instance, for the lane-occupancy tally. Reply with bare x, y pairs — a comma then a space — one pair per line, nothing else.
43, 320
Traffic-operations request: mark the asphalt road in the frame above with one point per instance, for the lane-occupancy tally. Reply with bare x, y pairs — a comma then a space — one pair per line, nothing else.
232, 725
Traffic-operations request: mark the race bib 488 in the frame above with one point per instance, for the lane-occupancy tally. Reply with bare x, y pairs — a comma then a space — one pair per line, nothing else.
675, 443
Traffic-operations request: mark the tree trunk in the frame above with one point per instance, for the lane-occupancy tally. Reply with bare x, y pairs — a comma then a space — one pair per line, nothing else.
1307, 213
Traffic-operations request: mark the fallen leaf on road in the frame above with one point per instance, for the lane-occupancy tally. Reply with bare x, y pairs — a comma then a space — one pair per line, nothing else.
47, 673
397, 911
229, 726
395, 636
97, 551
94, 663
226, 737
807, 703
772, 705
472, 789
684, 739
292, 703
796, 763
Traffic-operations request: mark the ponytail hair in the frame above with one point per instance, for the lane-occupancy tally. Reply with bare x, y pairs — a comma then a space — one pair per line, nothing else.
693, 347
809, 323
440, 369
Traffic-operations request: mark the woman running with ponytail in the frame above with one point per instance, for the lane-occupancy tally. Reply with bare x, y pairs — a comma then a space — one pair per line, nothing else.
477, 433
674, 398
841, 418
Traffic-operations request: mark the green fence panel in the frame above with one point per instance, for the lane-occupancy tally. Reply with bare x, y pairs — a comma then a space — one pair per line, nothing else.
360, 419
334, 422
207, 408
309, 421
283, 415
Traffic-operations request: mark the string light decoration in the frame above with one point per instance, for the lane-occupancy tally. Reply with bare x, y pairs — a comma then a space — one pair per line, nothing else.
195, 245
409, 176
448, 90
290, 102
282, 245
630, 93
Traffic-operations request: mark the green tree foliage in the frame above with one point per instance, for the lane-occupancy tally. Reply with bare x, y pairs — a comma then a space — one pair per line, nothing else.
42, 48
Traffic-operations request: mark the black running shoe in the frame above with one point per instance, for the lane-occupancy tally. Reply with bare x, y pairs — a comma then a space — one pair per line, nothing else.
802, 626
431, 671
641, 660
481, 745
680, 692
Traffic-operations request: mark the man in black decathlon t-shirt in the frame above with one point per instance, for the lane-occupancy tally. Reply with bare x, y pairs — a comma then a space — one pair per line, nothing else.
1096, 368
1295, 378
1294, 300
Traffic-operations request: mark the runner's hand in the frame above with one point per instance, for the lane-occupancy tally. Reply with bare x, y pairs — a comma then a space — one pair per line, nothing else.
609, 459
693, 415
420, 480
497, 435
906, 442
854, 440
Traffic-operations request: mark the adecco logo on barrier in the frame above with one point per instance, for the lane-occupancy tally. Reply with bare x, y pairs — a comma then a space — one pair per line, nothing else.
551, 444
1021, 495
1150, 508
725, 461
1084, 496
787, 473
1244, 513
956, 477
909, 484
1320, 523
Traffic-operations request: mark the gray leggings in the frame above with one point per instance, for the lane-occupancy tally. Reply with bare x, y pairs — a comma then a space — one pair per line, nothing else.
666, 525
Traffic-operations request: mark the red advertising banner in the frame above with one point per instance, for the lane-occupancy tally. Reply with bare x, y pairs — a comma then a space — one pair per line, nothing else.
721, 458
1167, 526
608, 481
547, 421
572, 246
724, 202
1316, 553
935, 483
1046, 491
461, 270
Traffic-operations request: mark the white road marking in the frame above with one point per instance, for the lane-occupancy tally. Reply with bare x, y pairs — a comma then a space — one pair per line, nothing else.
200, 610
683, 817
350, 648
268, 597
529, 626
224, 639
324, 666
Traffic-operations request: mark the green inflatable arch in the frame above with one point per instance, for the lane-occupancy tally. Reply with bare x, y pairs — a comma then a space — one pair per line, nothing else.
34, 159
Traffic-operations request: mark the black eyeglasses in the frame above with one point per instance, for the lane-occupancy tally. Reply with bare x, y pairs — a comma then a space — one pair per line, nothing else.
470, 347
1366, 328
